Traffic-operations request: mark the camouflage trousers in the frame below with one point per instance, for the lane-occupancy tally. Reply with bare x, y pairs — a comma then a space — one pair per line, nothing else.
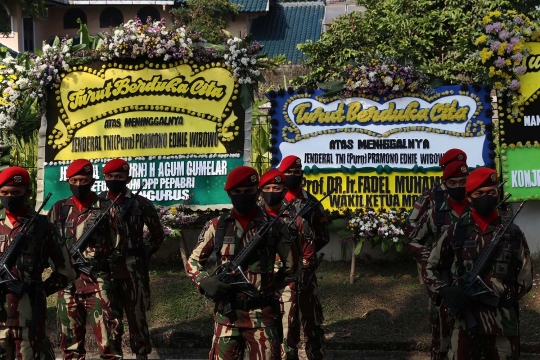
468, 346
231, 343
73, 311
311, 318
133, 299
290, 323
441, 332
15, 343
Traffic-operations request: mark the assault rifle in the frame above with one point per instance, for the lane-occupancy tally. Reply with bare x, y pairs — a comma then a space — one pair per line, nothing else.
472, 283
10, 282
231, 272
310, 205
76, 249
133, 198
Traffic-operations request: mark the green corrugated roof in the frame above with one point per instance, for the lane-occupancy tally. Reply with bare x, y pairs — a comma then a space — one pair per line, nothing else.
251, 5
287, 25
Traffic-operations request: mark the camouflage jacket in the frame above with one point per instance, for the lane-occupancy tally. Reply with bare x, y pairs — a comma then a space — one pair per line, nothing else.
510, 275
35, 256
424, 236
316, 219
424, 203
101, 247
261, 275
130, 234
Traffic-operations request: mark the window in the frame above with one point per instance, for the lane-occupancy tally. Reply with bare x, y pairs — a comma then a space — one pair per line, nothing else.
6, 22
111, 16
147, 11
71, 16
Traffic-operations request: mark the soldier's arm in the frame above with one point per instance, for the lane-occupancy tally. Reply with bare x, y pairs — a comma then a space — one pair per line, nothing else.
439, 261
151, 220
417, 238
309, 252
63, 272
421, 206
525, 276
320, 227
202, 251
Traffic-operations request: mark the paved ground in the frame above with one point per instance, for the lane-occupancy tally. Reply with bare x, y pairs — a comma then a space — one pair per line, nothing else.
202, 354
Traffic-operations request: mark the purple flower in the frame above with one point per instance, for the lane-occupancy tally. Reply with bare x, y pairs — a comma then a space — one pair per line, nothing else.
504, 34
514, 85
509, 48
517, 57
520, 70
497, 27
489, 28
514, 40
500, 62
518, 20
495, 46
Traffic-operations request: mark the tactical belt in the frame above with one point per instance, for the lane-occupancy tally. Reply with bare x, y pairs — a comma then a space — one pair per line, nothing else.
102, 265
28, 288
136, 252
246, 304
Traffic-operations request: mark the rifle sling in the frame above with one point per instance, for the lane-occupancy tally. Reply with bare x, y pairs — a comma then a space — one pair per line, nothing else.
220, 235
439, 215
459, 240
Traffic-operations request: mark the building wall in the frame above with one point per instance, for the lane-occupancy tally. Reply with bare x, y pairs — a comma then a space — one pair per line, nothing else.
14, 41
54, 25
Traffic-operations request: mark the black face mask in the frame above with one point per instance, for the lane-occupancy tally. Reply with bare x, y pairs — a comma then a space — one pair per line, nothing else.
116, 186
244, 203
485, 205
13, 203
293, 181
273, 198
80, 191
457, 194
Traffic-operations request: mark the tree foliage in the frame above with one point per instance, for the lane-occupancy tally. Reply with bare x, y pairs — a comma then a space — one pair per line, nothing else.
435, 35
30, 8
209, 17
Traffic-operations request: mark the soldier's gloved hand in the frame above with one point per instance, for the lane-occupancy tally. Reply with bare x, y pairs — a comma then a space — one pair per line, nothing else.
455, 296
213, 287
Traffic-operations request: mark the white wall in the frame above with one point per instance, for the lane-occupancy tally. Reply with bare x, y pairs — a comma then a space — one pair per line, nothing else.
529, 222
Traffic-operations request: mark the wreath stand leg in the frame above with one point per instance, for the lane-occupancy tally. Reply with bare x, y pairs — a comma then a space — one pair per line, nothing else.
353, 263
183, 251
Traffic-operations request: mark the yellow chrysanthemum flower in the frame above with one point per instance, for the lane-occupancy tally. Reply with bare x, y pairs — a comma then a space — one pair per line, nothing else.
482, 39
486, 20
501, 49
495, 13
485, 55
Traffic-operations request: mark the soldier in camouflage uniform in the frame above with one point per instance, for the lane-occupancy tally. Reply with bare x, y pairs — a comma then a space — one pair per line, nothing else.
311, 314
130, 272
252, 326
428, 229
438, 193
298, 231
22, 315
510, 276
90, 297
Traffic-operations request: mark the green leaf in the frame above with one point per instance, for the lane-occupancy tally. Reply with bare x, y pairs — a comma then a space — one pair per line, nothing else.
384, 247
77, 47
246, 96
399, 247
358, 247
56, 41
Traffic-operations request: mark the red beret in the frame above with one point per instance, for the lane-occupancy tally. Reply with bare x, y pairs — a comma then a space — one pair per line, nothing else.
116, 165
452, 155
271, 177
79, 167
14, 176
455, 169
481, 177
290, 162
241, 176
